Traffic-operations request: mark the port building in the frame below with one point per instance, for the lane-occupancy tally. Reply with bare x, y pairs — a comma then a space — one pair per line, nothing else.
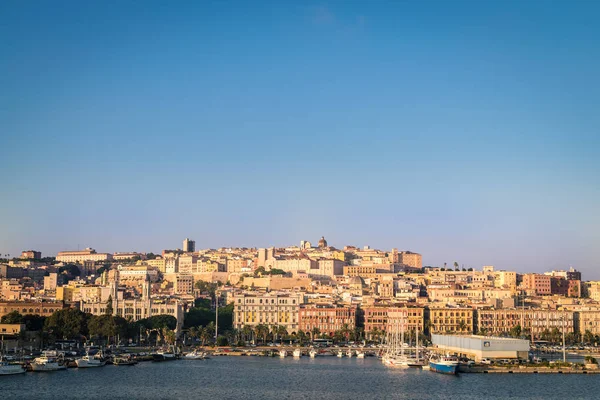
479, 347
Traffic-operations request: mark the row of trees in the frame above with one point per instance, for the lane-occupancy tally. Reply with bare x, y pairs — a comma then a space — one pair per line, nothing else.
70, 323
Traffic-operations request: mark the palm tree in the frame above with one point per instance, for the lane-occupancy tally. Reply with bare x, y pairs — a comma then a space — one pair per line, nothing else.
169, 336
193, 333
262, 331
455, 266
314, 332
211, 328
206, 335
247, 333
301, 337
282, 331
345, 331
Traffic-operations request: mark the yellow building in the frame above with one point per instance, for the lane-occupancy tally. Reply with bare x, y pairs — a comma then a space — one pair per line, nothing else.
451, 320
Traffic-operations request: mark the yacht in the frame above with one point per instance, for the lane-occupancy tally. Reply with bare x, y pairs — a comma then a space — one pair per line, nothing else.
47, 362
10, 369
124, 359
444, 364
164, 355
88, 361
340, 354
297, 353
360, 354
349, 353
195, 355
282, 353
313, 353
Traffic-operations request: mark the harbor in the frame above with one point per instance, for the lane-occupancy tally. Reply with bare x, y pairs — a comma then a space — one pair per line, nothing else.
291, 378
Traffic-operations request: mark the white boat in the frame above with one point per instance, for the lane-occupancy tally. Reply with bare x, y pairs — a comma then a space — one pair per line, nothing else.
349, 353
47, 362
360, 354
195, 355
165, 355
393, 355
313, 353
297, 353
282, 353
88, 361
340, 354
10, 369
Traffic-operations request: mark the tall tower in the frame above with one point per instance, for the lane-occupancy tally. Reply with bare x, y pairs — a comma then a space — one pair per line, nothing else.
189, 246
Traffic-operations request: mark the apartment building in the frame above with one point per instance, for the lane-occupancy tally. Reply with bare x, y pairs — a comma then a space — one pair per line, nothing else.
327, 318
80, 256
279, 309
451, 320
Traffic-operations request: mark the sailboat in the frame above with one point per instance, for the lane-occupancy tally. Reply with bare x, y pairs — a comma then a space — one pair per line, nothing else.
394, 351
416, 360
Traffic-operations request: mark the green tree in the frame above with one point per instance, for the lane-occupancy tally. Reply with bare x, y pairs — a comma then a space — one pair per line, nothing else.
206, 335
13, 317
222, 341
68, 323
262, 331
158, 322
455, 265
33, 322
193, 333
314, 333
588, 337
515, 331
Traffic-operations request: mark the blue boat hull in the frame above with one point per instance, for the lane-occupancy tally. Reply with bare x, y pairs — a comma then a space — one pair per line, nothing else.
443, 368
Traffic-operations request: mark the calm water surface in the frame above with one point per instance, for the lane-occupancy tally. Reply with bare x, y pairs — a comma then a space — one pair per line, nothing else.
280, 379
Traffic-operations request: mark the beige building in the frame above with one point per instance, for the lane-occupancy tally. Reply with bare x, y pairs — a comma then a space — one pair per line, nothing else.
271, 309
505, 279
293, 264
51, 281
589, 320
532, 321
30, 307
80, 256
134, 309
414, 260
183, 284
158, 263
187, 263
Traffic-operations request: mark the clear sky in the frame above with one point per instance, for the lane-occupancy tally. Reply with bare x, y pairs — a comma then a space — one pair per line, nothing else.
466, 131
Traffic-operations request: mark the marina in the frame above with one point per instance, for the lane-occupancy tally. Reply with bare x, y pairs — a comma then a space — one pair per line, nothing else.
303, 378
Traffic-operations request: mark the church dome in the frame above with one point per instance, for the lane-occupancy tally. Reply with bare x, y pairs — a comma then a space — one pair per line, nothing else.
322, 242
356, 280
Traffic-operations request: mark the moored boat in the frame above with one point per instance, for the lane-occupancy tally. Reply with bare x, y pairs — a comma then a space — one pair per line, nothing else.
297, 353
124, 360
282, 353
444, 364
313, 353
7, 368
88, 361
47, 362
195, 355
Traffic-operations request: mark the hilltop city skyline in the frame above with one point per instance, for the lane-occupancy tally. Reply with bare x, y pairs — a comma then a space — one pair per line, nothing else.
449, 263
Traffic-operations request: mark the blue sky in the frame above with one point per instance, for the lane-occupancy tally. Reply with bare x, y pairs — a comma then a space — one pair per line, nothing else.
466, 131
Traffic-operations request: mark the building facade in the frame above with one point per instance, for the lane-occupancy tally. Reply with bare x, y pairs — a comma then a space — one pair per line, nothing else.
271, 309
326, 318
